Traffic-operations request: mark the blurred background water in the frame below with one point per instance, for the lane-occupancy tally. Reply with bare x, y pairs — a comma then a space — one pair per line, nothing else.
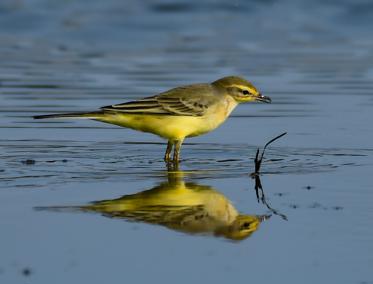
313, 58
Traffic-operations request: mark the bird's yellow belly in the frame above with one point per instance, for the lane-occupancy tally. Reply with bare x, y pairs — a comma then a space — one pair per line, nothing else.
166, 126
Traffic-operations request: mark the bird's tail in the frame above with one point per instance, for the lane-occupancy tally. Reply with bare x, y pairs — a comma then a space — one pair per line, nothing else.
88, 115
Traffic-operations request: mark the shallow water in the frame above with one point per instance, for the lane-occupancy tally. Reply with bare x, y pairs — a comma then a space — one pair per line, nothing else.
312, 223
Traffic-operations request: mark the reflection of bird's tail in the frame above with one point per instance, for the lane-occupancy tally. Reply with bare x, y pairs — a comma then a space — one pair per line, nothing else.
59, 208
88, 115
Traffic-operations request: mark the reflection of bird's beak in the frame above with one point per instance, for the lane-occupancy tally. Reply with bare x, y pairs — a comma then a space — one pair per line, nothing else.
263, 218
264, 99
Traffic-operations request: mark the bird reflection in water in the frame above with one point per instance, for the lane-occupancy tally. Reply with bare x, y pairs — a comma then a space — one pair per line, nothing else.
178, 205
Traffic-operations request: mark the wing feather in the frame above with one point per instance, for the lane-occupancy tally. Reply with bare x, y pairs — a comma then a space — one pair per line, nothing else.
191, 100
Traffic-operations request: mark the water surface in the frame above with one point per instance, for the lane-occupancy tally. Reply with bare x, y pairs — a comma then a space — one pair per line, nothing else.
74, 193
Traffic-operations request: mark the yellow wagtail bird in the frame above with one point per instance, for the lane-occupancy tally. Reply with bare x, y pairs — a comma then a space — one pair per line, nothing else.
178, 113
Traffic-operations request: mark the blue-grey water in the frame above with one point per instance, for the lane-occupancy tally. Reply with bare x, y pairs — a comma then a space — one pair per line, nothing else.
82, 201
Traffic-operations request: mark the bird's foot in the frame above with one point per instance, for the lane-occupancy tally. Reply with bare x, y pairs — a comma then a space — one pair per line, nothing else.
172, 165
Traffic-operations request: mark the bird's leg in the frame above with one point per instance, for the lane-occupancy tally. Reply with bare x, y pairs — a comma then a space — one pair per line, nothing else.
177, 145
167, 155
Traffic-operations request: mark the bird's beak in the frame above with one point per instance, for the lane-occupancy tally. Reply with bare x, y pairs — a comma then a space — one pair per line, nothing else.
264, 99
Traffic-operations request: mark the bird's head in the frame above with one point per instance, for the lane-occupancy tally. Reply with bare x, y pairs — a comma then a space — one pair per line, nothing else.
240, 89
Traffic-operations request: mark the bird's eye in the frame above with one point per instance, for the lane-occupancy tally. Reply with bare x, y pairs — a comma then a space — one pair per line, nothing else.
245, 226
245, 92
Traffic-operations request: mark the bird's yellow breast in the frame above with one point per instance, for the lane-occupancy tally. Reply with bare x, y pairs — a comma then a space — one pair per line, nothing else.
172, 127
166, 126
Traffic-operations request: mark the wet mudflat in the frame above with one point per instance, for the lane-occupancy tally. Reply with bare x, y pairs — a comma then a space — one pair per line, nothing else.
82, 201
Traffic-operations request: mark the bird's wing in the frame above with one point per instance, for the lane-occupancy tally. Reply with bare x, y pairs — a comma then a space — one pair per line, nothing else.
191, 100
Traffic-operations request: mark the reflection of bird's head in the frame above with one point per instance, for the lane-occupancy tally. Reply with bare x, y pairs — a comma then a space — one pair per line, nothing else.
241, 90
241, 228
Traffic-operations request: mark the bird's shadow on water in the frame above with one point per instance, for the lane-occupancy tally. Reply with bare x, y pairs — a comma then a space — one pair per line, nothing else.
176, 204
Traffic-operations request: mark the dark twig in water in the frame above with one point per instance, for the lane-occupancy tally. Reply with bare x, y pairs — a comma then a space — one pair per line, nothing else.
258, 185
257, 161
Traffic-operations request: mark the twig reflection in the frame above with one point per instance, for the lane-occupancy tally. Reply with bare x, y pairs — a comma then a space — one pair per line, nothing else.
260, 196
